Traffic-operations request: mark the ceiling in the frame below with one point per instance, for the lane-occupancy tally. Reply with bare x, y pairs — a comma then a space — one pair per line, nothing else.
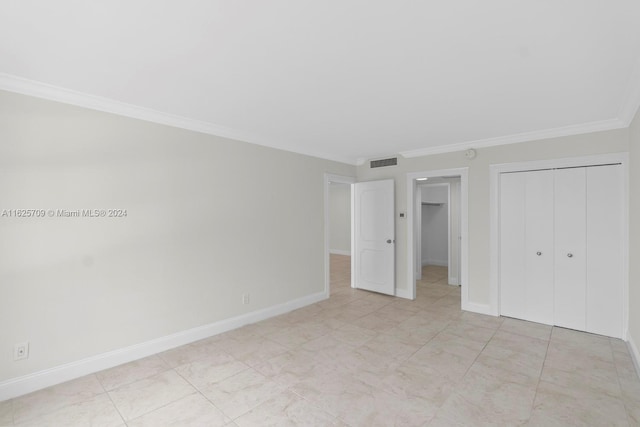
343, 80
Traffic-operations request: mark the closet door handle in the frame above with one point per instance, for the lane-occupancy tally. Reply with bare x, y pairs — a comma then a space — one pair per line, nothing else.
538, 253
570, 255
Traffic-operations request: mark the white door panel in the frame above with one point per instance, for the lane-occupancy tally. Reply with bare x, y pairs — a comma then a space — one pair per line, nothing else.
512, 245
539, 246
570, 248
374, 236
604, 250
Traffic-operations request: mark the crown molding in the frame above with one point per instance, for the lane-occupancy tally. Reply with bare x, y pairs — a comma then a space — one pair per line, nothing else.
37, 89
520, 137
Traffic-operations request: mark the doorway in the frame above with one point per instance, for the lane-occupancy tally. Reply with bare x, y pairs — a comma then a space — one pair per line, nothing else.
338, 232
444, 194
437, 231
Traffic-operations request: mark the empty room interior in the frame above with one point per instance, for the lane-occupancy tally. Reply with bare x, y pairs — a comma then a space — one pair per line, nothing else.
331, 213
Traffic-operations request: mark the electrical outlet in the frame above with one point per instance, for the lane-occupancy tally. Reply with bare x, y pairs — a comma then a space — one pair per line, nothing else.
245, 298
21, 351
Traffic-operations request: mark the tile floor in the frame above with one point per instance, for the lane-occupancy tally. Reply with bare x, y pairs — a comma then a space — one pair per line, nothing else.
360, 359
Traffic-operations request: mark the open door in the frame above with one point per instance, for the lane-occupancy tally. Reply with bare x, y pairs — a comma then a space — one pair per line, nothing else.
375, 236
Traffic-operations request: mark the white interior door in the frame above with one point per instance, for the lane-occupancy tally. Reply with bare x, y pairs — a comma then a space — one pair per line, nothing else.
605, 232
570, 248
375, 236
539, 246
526, 245
512, 245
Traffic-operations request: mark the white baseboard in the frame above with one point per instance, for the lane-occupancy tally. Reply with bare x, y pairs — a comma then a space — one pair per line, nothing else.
453, 281
478, 308
635, 354
403, 293
59, 374
437, 262
339, 252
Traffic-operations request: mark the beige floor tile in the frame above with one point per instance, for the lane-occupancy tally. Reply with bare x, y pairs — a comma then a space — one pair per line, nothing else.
508, 403
441, 362
361, 359
518, 368
457, 411
464, 347
419, 335
359, 404
98, 411
190, 411
131, 372
190, 352
210, 370
409, 383
352, 335
471, 331
252, 351
560, 406
391, 346
581, 344
292, 336
6, 413
505, 344
287, 409
587, 382
55, 398
480, 320
242, 392
144, 396
529, 329
571, 359
292, 367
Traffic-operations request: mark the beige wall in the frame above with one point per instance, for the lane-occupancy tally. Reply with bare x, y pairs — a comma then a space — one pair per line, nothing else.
207, 219
340, 217
479, 262
634, 231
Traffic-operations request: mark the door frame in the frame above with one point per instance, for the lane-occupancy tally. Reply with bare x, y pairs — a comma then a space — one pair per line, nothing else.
494, 234
341, 179
463, 173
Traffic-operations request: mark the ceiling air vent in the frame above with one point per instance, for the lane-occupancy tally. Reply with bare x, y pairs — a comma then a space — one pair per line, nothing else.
384, 162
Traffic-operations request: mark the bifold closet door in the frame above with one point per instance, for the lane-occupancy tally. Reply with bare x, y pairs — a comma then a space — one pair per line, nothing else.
570, 248
605, 232
526, 245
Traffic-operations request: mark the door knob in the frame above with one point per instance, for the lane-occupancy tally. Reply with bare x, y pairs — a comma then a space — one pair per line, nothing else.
388, 240
538, 253
570, 255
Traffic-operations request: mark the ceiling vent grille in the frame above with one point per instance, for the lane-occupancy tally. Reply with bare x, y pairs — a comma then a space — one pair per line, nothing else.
393, 161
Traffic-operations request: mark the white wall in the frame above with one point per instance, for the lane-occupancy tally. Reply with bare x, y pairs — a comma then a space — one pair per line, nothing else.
196, 236
479, 221
634, 234
435, 225
340, 218
454, 220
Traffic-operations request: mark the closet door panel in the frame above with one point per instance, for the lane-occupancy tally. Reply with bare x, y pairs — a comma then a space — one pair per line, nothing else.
512, 245
539, 288
604, 250
570, 248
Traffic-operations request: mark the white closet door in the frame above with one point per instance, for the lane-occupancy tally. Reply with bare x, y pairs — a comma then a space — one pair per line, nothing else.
512, 245
604, 250
570, 248
526, 246
539, 246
